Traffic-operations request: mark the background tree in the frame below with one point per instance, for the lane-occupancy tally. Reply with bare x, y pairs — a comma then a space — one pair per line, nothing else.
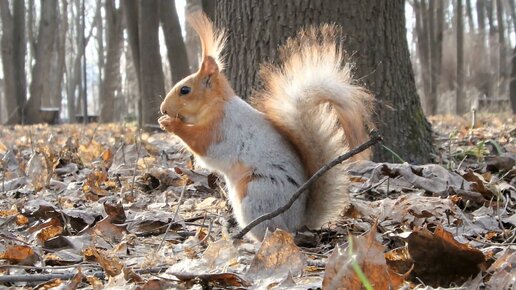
176, 49
143, 27
111, 83
459, 97
40, 88
13, 59
376, 37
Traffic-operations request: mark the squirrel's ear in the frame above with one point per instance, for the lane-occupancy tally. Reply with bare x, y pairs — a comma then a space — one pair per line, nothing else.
209, 66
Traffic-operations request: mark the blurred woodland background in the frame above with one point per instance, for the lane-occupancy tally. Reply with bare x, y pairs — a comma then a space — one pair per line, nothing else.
115, 60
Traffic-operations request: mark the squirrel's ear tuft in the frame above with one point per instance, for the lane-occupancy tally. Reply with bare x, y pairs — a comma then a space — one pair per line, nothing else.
209, 66
212, 39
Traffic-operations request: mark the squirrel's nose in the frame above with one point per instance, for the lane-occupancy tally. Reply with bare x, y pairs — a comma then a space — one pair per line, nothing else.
162, 109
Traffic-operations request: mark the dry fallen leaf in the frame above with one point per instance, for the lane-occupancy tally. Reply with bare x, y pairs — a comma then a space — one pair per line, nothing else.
22, 255
365, 253
276, 257
440, 260
111, 265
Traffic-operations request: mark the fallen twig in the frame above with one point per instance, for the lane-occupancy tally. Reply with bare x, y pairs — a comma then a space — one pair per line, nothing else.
374, 138
66, 276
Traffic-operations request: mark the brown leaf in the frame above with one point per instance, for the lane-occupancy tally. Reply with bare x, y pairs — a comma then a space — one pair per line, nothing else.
52, 284
503, 272
38, 171
368, 254
440, 260
49, 232
277, 256
477, 181
76, 280
111, 265
22, 255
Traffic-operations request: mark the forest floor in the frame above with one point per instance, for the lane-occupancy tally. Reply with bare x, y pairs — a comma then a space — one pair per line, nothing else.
105, 206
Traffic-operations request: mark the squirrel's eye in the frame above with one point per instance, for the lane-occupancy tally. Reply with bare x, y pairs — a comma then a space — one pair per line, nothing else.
185, 90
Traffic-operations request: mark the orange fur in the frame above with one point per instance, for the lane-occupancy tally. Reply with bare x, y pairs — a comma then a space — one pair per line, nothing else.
241, 175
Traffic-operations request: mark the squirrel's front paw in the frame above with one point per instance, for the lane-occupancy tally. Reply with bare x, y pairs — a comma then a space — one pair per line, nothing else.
167, 123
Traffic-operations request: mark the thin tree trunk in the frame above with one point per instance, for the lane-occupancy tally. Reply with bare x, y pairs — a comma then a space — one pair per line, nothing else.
112, 76
502, 57
192, 41
176, 50
151, 73
131, 21
469, 12
40, 88
459, 101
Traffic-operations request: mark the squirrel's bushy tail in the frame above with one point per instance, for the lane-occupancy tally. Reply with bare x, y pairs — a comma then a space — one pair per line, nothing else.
311, 98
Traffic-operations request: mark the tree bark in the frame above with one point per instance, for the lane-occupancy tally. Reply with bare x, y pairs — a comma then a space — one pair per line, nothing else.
176, 50
192, 41
209, 8
459, 97
40, 87
502, 56
13, 59
132, 22
383, 63
151, 73
112, 77
469, 12
512, 88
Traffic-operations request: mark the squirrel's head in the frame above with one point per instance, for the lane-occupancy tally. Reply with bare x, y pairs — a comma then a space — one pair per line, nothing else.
197, 96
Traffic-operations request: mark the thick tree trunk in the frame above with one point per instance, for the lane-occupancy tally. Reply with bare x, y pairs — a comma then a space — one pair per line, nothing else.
152, 86
382, 63
40, 87
13, 59
112, 77
176, 50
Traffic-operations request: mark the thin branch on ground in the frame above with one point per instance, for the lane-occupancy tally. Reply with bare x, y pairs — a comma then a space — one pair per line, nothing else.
374, 138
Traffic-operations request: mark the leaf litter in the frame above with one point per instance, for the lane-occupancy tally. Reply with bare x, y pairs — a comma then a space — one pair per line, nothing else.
110, 207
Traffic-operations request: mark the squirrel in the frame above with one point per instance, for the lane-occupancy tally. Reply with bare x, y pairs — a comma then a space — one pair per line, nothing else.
308, 112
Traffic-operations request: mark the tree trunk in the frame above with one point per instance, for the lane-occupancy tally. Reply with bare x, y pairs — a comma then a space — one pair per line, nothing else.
40, 87
13, 59
176, 50
502, 57
512, 88
61, 50
192, 41
423, 50
131, 21
459, 101
208, 7
112, 77
101, 54
382, 62
469, 12
151, 73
